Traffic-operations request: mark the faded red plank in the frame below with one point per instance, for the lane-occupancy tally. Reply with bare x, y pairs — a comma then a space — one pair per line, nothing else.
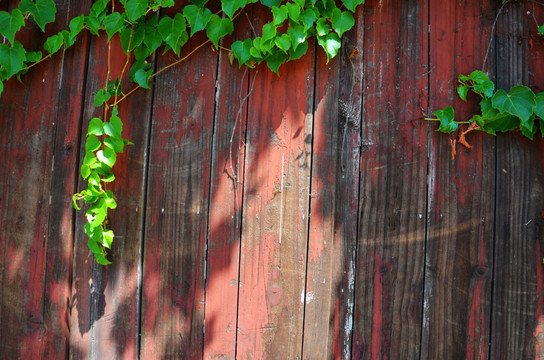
460, 224
518, 320
389, 279
177, 206
105, 298
226, 191
328, 319
276, 190
32, 135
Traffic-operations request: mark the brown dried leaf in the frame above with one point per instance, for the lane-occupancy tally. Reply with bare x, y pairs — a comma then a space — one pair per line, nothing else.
453, 151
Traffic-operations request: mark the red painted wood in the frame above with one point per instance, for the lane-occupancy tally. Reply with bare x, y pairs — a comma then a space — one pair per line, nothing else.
518, 320
36, 144
328, 320
225, 222
276, 190
389, 278
177, 206
460, 226
105, 298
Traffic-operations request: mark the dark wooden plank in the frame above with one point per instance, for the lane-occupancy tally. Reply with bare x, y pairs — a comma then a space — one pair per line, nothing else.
36, 177
275, 213
389, 279
105, 305
225, 222
328, 319
518, 296
177, 210
461, 191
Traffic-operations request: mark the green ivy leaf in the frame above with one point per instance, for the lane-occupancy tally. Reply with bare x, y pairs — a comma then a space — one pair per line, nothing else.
92, 143
322, 27
217, 28
142, 77
341, 21
33, 56
130, 39
152, 38
107, 238
308, 17
197, 17
230, 6
528, 128
283, 42
242, 50
330, 43
279, 14
101, 97
462, 91
173, 32
96, 127
299, 52
297, 35
113, 23
539, 107
482, 84
107, 156
269, 33
275, 60
271, 3
494, 120
76, 25
93, 24
10, 24
12, 58
53, 43
541, 29
326, 7
1, 87
116, 144
135, 9
294, 11
43, 11
351, 5
114, 127
519, 102
447, 119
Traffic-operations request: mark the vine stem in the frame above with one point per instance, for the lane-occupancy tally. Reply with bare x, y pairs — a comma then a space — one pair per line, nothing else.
434, 119
37, 62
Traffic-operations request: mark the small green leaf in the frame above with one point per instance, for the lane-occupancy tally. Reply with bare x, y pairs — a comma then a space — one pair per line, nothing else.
43, 11
293, 10
217, 28
528, 128
96, 126
142, 77
101, 97
53, 43
76, 25
92, 143
107, 156
481, 83
341, 21
135, 9
447, 119
230, 6
299, 52
90, 160
283, 42
351, 5
330, 43
322, 27
33, 56
173, 32
116, 144
297, 35
271, 3
1, 87
462, 91
85, 171
242, 50
541, 29
12, 58
10, 24
539, 107
269, 32
275, 60
114, 127
130, 39
519, 102
107, 238
197, 17
152, 38
279, 14
93, 24
308, 17
113, 23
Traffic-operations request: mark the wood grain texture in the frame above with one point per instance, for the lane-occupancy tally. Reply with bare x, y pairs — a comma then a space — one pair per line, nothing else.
519, 283
275, 214
177, 206
461, 193
389, 278
105, 307
328, 320
225, 214
36, 146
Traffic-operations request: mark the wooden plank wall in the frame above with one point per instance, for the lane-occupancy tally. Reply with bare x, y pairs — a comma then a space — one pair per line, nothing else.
312, 215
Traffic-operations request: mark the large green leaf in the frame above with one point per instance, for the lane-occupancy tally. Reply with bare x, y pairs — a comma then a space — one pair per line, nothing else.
43, 11
135, 9
242, 50
197, 17
12, 58
10, 24
341, 21
519, 102
113, 23
275, 60
330, 43
352, 4
173, 32
539, 107
230, 6
494, 120
217, 28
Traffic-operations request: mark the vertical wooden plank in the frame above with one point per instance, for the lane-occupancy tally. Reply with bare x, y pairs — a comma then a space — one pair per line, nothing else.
177, 206
460, 219
328, 321
518, 292
389, 278
105, 298
226, 191
35, 130
275, 213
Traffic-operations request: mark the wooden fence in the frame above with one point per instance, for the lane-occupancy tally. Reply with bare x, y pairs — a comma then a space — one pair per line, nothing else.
312, 215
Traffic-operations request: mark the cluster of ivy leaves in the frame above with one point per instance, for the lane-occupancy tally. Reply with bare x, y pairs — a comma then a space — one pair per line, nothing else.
501, 111
143, 30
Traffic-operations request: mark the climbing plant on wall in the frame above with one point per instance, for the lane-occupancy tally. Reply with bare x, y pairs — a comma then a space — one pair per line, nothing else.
143, 29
